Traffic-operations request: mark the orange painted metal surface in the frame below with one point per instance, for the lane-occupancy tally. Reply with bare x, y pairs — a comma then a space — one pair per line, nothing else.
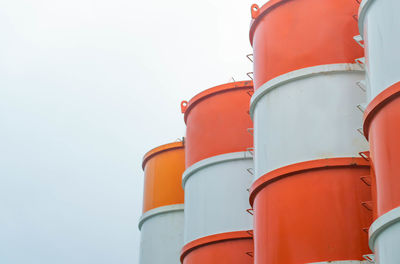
288, 35
312, 211
225, 248
382, 129
163, 168
217, 120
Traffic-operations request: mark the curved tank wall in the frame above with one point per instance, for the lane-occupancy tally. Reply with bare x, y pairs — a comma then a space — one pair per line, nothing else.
161, 235
379, 25
216, 196
384, 237
308, 114
225, 248
288, 35
312, 212
163, 168
217, 121
381, 127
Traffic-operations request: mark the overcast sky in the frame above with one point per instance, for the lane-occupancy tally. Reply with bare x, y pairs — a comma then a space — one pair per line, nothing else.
86, 88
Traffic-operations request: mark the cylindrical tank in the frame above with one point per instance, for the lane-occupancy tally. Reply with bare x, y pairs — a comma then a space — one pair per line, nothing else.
162, 221
226, 248
216, 196
384, 237
311, 212
379, 26
289, 35
308, 114
217, 120
163, 168
381, 127
161, 235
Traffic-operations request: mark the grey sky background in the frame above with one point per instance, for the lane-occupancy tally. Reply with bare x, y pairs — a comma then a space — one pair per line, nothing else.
86, 88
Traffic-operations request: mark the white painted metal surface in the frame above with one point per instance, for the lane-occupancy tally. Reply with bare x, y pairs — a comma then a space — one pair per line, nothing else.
384, 238
308, 114
216, 196
379, 25
161, 235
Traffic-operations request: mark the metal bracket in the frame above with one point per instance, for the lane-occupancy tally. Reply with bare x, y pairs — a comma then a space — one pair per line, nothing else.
250, 211
250, 92
361, 62
251, 151
370, 258
184, 105
250, 170
251, 254
250, 56
182, 139
250, 74
359, 40
367, 205
361, 107
254, 11
362, 85
364, 155
366, 180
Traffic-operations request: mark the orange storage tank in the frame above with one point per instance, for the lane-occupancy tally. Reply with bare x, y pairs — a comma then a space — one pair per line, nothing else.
312, 212
289, 35
225, 248
163, 168
382, 129
217, 121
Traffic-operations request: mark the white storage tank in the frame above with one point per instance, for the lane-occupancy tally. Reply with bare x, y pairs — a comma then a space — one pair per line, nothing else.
161, 235
308, 114
216, 195
379, 25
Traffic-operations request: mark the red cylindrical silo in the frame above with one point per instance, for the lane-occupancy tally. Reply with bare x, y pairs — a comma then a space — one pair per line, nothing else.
217, 176
382, 128
379, 28
161, 224
217, 121
289, 35
312, 212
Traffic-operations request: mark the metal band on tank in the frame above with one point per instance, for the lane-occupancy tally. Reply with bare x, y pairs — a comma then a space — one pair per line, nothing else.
381, 224
362, 11
298, 75
212, 239
160, 210
212, 161
342, 262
